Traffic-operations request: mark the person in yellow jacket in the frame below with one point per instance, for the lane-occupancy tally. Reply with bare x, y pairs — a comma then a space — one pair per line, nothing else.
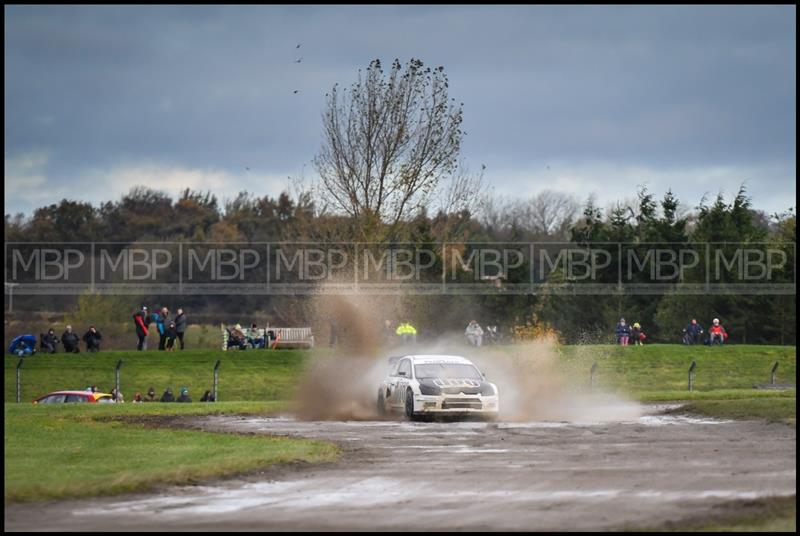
407, 333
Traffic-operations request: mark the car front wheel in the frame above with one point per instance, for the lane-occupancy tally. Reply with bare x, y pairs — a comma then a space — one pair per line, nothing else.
410, 404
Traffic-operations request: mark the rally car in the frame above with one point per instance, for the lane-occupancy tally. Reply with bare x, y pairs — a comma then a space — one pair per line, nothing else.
420, 385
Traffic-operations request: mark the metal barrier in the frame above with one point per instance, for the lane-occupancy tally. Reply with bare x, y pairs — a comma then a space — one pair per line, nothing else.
691, 373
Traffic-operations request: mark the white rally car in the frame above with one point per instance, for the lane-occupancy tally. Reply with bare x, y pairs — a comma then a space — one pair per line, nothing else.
420, 385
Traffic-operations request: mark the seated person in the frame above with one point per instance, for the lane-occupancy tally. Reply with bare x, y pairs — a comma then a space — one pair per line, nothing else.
255, 337
207, 397
717, 334
168, 396
692, 333
184, 396
92, 339
70, 341
49, 342
236, 338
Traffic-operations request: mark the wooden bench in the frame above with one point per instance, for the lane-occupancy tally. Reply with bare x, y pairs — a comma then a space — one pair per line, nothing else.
283, 337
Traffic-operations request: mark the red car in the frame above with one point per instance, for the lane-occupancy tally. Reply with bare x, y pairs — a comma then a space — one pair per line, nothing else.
61, 397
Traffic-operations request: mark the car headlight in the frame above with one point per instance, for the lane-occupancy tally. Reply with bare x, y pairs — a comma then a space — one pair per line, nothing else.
429, 389
488, 390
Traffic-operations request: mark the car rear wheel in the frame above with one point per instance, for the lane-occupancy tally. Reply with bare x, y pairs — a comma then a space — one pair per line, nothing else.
410, 404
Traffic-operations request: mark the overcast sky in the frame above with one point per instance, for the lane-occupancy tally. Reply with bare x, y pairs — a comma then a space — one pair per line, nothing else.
578, 99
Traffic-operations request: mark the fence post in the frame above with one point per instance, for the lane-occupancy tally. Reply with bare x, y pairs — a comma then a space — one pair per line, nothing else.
216, 380
774, 372
591, 376
116, 378
19, 380
691, 373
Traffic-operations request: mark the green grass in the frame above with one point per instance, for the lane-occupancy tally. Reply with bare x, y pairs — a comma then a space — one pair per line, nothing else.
67, 451
248, 375
80, 450
650, 372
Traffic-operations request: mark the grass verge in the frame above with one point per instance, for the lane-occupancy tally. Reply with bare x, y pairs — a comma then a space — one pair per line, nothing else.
77, 450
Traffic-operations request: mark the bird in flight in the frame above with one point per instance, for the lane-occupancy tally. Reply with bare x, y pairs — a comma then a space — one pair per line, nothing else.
548, 168
247, 168
298, 46
296, 91
298, 61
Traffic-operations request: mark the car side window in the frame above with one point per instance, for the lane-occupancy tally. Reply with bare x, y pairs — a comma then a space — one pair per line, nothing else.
405, 366
76, 398
52, 399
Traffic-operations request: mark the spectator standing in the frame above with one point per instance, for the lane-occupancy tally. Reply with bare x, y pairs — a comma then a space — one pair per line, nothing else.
407, 333
717, 333
623, 332
474, 333
70, 341
50, 342
171, 335
162, 323
140, 323
693, 333
92, 339
184, 395
180, 325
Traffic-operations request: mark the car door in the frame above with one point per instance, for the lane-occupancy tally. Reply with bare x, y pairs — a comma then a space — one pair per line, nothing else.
402, 380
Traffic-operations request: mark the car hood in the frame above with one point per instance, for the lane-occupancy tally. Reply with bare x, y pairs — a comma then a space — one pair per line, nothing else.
454, 386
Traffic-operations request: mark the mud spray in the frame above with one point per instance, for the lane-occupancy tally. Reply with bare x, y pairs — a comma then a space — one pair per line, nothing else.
343, 384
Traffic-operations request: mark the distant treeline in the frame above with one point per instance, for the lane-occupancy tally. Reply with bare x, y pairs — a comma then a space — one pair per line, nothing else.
149, 215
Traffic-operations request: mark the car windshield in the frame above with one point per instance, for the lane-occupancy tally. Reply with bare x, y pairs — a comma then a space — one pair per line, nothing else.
447, 370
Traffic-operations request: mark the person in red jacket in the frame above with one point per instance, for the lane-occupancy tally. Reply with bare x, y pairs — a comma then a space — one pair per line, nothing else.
140, 321
716, 333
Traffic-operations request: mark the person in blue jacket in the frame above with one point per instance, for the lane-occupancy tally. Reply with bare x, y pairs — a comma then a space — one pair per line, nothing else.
623, 332
161, 320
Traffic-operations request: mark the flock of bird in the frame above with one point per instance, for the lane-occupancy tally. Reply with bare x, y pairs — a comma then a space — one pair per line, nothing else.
298, 60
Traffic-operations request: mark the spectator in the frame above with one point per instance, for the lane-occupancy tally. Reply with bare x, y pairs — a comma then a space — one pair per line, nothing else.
207, 397
255, 337
168, 396
50, 342
637, 335
184, 395
492, 336
93, 388
162, 323
140, 323
151, 395
623, 332
171, 335
692, 334
407, 333
388, 332
237, 338
70, 341
117, 396
92, 339
717, 334
137, 398
474, 333
180, 325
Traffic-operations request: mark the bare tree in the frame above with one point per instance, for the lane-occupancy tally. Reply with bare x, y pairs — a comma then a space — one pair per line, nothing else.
388, 142
548, 214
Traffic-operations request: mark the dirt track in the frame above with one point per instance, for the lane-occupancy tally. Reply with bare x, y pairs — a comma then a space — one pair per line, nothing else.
465, 476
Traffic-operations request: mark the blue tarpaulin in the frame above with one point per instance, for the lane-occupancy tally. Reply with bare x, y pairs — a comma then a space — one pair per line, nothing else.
23, 345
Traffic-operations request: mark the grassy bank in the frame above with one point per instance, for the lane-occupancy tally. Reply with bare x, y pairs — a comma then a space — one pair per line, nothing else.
655, 372
77, 450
